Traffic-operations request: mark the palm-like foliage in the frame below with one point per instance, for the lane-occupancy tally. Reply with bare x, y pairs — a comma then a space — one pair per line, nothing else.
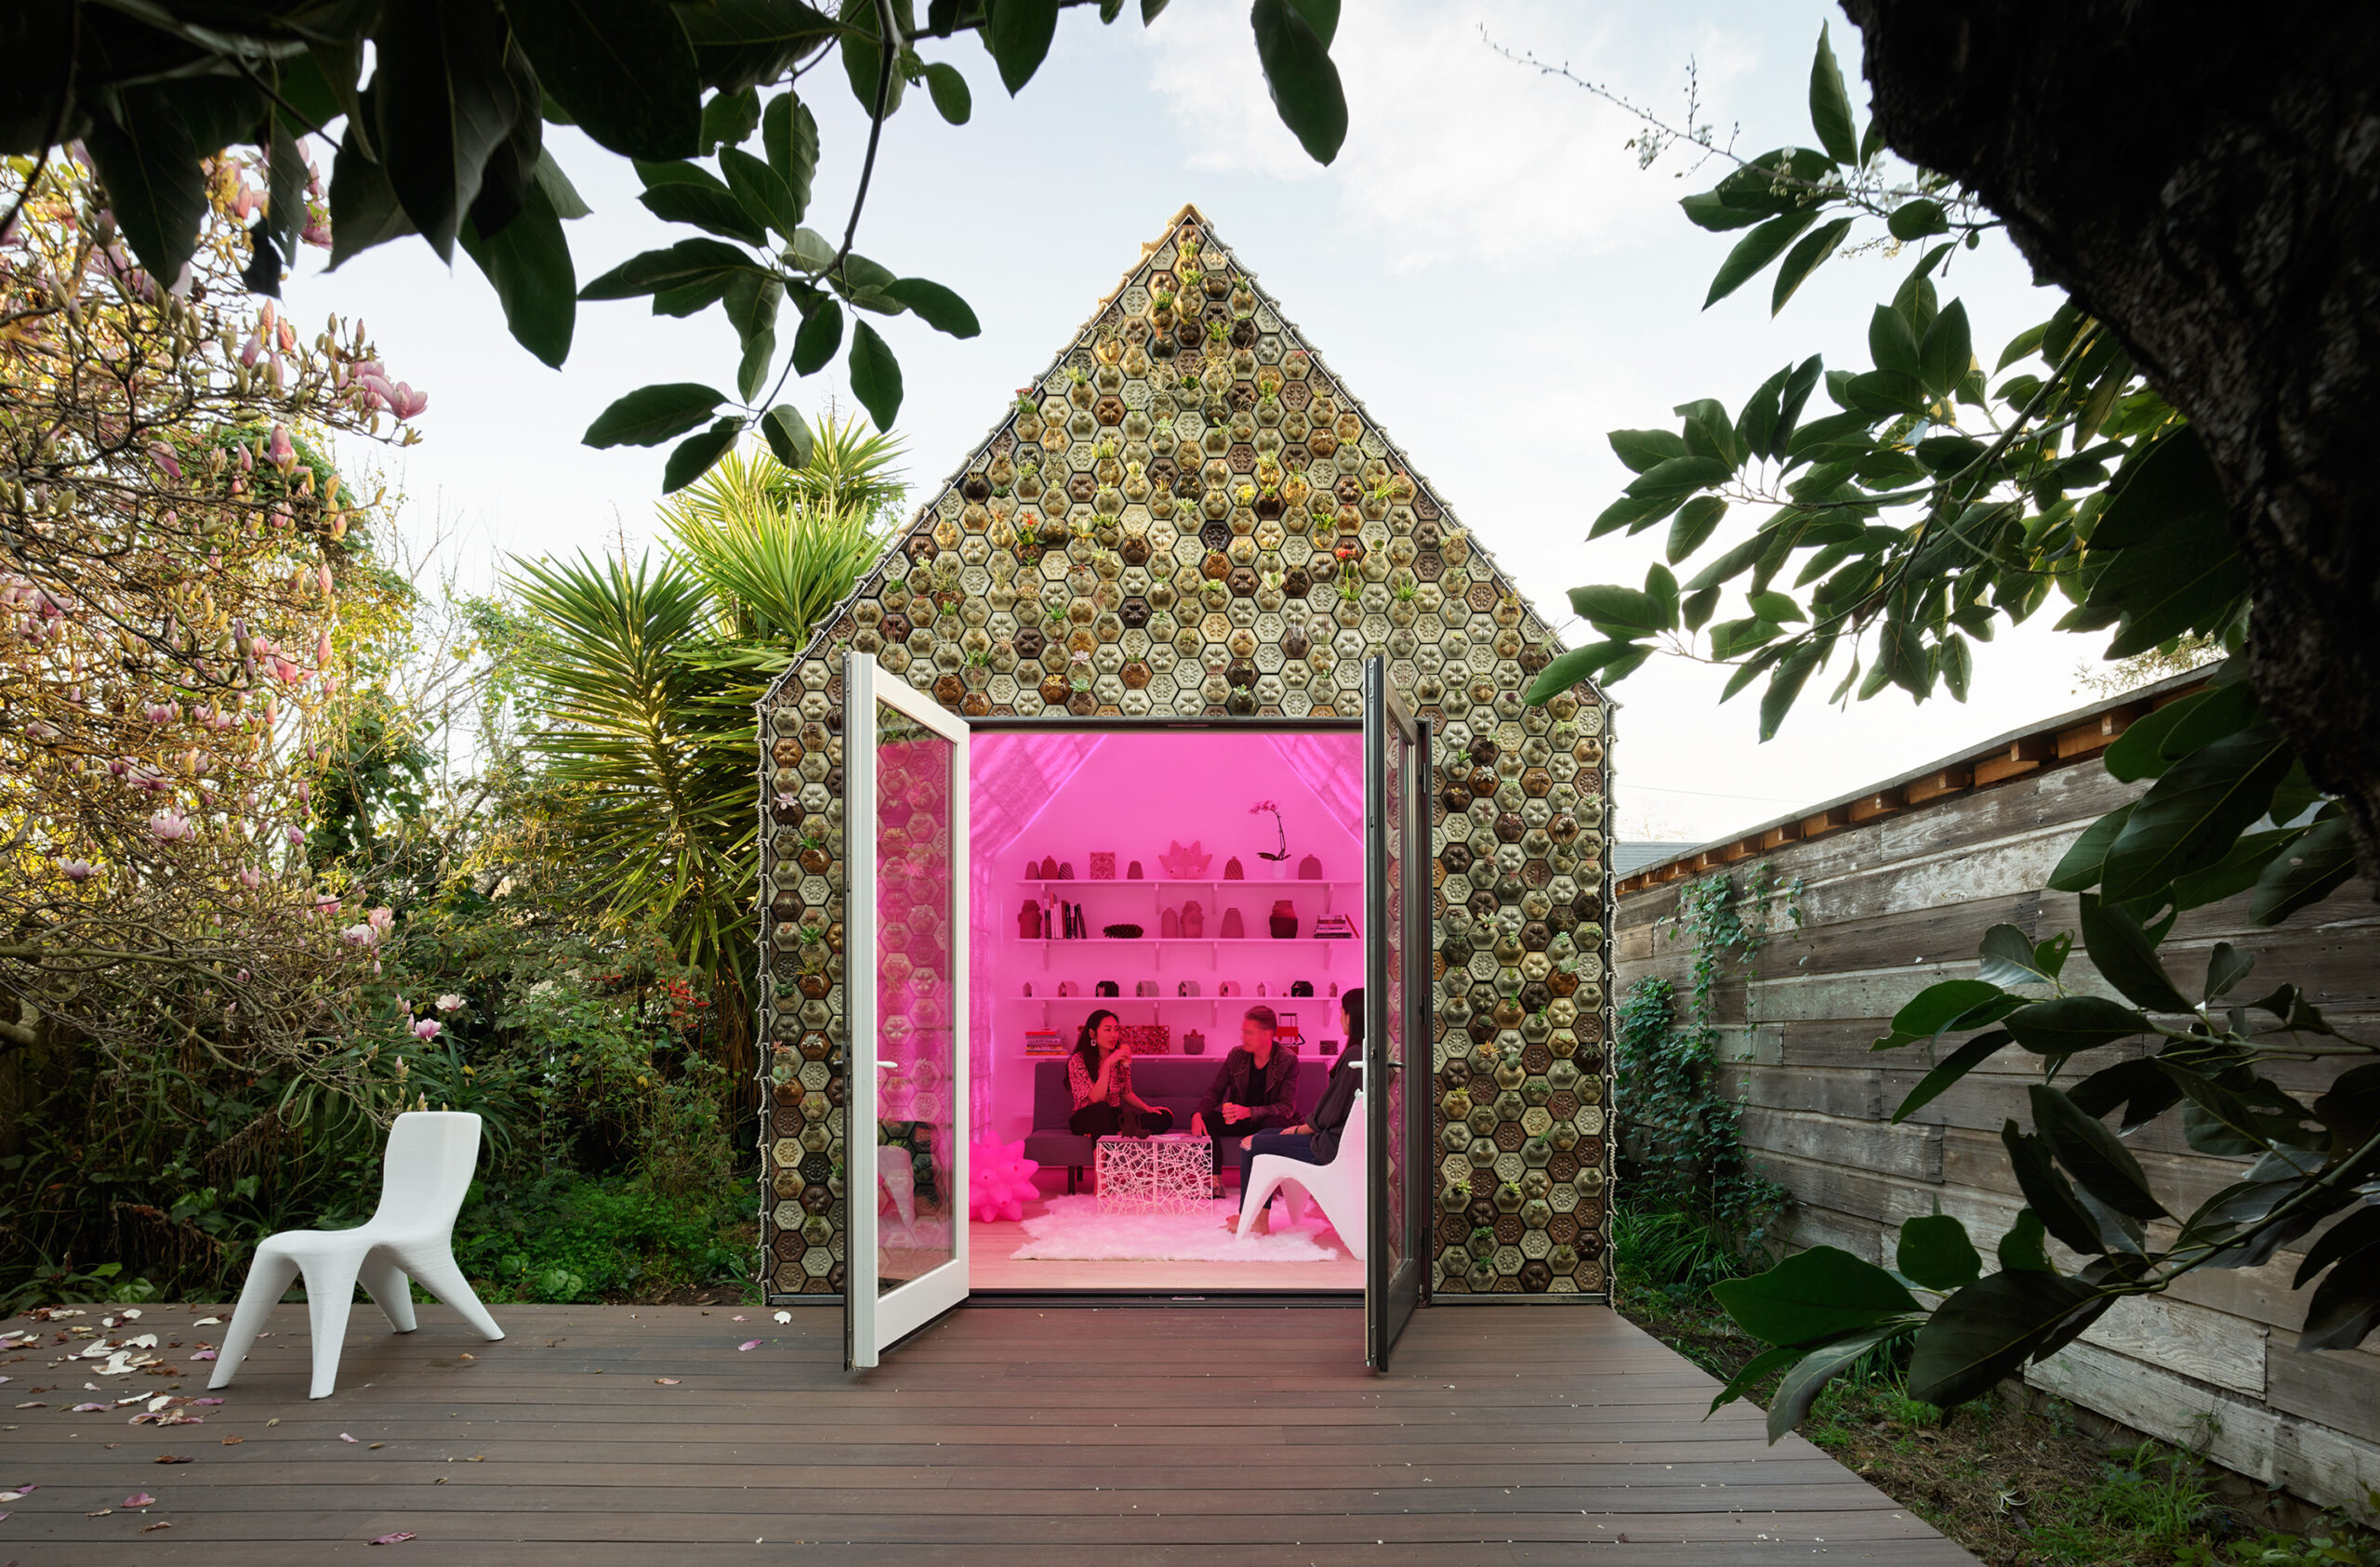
648, 673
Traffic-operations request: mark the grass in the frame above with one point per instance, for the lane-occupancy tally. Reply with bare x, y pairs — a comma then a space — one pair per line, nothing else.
2013, 1479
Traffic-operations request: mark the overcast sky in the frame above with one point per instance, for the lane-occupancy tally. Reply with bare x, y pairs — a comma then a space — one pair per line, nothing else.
1486, 265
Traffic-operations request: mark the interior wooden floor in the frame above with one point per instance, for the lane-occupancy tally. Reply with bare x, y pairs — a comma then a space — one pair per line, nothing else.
992, 1264
1246, 1436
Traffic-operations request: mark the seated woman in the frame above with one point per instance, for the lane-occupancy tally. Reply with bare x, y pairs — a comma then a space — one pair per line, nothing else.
1100, 1073
1315, 1141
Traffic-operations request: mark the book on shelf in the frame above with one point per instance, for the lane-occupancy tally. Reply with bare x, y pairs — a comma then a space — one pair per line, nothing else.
1334, 928
1044, 1042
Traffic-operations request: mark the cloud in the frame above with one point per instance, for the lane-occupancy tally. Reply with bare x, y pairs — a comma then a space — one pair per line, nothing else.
1453, 148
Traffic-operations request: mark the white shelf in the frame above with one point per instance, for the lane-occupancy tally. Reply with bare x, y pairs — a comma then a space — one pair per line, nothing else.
1146, 881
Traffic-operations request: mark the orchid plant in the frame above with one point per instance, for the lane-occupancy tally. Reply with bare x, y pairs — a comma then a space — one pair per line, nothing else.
1280, 831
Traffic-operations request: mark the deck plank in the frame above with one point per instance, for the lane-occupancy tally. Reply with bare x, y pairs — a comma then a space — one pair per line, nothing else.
1057, 1438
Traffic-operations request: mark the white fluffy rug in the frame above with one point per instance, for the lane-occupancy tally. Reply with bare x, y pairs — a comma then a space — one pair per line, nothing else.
1075, 1231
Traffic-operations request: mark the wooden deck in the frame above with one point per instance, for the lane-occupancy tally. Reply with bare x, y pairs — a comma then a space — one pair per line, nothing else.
999, 1437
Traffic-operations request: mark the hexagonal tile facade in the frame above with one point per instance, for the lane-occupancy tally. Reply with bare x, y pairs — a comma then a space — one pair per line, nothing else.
1186, 514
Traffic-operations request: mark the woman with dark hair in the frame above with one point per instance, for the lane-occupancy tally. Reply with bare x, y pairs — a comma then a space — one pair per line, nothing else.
1100, 1074
1315, 1141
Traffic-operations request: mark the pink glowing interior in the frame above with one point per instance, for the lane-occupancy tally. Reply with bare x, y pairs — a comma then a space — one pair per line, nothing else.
1075, 795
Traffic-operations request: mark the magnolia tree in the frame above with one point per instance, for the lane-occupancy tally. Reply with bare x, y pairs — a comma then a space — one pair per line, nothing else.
174, 551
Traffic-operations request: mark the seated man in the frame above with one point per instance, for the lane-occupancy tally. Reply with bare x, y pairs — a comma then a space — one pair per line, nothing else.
1255, 1090
1316, 1141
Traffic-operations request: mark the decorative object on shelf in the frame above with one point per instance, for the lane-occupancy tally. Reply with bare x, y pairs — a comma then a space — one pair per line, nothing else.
1280, 831
1169, 925
1028, 920
1044, 1042
1066, 870
1231, 871
1334, 928
1066, 987
1103, 865
1132, 871
1144, 987
1229, 987
1184, 865
1286, 1032
1300, 987
1194, 920
1234, 928
1193, 1043
1107, 987
1334, 987
1149, 1039
1187, 987
1049, 871
999, 1180
1285, 919
1309, 869
1121, 932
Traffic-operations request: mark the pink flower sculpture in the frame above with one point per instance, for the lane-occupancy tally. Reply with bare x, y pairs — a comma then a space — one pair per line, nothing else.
999, 1180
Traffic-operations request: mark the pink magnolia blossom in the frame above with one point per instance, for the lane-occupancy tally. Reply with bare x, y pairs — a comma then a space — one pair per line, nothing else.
325, 905
163, 712
171, 827
296, 835
251, 878
427, 1030
278, 448
317, 232
162, 455
382, 920
77, 870
359, 936
252, 351
450, 1002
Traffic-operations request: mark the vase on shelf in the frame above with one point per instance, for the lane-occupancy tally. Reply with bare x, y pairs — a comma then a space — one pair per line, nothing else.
1285, 919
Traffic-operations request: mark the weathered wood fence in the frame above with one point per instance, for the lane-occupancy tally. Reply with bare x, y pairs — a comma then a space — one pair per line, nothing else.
1898, 885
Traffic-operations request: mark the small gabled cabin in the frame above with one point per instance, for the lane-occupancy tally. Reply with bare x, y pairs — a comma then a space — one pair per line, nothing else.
1185, 703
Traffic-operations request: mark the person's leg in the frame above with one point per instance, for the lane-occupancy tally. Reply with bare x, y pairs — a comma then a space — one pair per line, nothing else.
1095, 1121
1157, 1121
1227, 1136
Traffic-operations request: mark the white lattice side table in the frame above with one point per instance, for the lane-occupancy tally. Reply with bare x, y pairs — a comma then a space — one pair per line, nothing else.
1168, 1174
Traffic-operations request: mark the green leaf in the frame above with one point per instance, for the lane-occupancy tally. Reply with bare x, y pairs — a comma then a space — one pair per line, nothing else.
1935, 1252
686, 194
790, 135
1798, 387
864, 63
2092, 1155
729, 120
876, 375
2008, 958
528, 263
1018, 33
2225, 966
1882, 392
789, 435
2170, 495
1934, 1010
951, 99
2171, 483
442, 104
1805, 258
741, 43
1786, 684
2138, 752
1945, 1075
693, 458
1643, 450
761, 190
1985, 1332
1321, 15
623, 69
1773, 1359
1707, 210
1619, 611
2020, 1250
1674, 476
688, 263
2346, 1305
1693, 525
1579, 663
2359, 1231
2126, 959
751, 302
2080, 865
1893, 344
1780, 608
2048, 1193
819, 335
1812, 1297
650, 416
1956, 663
934, 304
1755, 251
364, 209
145, 157
2068, 1023
1299, 73
568, 204
1831, 107
1800, 1385
1150, 10
1916, 220
1948, 352
2190, 819
2306, 872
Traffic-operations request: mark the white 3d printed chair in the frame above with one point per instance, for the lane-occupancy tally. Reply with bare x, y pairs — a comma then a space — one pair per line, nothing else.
1336, 1187
424, 1175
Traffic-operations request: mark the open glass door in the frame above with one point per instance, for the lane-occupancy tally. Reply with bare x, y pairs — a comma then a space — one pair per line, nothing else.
1397, 1065
904, 1176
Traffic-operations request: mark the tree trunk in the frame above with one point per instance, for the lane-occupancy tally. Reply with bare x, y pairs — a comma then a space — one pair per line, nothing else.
2205, 179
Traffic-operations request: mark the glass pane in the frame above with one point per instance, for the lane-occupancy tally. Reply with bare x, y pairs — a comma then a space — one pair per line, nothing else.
1396, 813
915, 1046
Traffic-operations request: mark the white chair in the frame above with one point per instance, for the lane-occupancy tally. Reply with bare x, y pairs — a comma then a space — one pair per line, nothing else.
897, 1173
1336, 1187
425, 1173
